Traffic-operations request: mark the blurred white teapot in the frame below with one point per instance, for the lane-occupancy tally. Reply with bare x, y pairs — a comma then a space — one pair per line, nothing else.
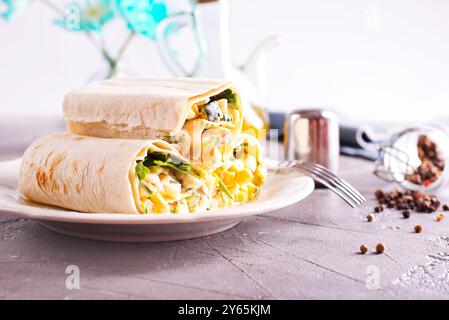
210, 24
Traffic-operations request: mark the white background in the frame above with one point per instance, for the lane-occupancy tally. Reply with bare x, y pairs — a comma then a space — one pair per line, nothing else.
371, 60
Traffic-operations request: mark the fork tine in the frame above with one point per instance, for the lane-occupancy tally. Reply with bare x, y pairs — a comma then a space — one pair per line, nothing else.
335, 184
345, 185
339, 186
344, 182
341, 193
331, 175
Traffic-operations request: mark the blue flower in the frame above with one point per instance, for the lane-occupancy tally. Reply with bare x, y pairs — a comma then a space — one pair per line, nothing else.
90, 17
13, 7
142, 17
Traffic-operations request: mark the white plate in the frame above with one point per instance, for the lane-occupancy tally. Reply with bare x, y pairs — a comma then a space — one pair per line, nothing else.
282, 189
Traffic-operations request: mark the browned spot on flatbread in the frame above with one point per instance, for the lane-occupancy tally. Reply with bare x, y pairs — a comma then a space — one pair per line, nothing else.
121, 144
79, 138
101, 167
65, 188
55, 162
54, 187
41, 178
48, 157
75, 167
78, 188
46, 180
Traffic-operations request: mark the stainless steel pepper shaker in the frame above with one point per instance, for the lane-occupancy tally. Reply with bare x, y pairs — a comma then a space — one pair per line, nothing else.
313, 135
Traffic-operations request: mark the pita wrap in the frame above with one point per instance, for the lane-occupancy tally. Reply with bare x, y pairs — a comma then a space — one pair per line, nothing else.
89, 174
143, 108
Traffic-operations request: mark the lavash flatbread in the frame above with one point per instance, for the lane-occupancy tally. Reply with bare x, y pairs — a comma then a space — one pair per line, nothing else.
138, 108
85, 174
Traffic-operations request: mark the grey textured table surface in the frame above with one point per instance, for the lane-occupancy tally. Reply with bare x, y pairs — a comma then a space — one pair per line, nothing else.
308, 250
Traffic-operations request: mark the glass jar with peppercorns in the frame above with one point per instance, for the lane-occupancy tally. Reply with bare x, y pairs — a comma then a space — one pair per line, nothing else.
417, 157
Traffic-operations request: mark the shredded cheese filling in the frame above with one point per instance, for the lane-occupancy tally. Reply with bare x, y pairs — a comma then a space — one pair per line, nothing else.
222, 175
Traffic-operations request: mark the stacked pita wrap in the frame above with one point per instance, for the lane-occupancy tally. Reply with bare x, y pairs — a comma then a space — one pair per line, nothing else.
182, 111
140, 145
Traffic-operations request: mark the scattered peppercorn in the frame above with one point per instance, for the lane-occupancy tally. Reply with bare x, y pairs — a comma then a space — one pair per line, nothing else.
418, 228
380, 248
406, 214
440, 217
379, 194
379, 208
407, 200
445, 207
363, 249
370, 217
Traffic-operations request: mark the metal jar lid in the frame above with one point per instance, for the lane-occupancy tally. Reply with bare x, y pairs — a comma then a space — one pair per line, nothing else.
313, 135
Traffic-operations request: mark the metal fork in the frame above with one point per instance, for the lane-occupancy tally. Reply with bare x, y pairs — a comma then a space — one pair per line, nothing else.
328, 179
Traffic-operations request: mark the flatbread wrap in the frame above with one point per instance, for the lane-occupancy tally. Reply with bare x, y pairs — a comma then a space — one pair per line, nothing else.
98, 175
182, 111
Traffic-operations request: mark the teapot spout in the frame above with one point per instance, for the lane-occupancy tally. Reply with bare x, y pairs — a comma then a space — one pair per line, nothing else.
255, 66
